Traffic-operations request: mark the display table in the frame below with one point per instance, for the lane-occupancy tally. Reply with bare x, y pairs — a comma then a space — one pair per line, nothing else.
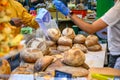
93, 59
96, 59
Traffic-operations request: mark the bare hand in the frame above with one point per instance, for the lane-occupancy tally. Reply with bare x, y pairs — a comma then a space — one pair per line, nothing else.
17, 22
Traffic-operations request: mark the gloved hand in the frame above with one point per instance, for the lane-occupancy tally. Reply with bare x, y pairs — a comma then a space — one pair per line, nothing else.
60, 6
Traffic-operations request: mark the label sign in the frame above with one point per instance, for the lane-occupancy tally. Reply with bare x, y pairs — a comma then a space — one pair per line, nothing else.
59, 75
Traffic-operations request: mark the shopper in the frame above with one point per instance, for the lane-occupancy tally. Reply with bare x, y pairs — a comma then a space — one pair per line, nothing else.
110, 19
20, 15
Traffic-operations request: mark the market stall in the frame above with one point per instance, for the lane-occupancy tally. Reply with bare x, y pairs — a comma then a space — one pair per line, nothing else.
53, 54
45, 66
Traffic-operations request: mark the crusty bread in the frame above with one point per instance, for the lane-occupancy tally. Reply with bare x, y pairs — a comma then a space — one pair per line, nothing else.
80, 39
50, 43
38, 43
92, 37
65, 41
74, 57
54, 34
63, 48
89, 43
31, 55
34, 42
54, 47
75, 71
69, 32
91, 40
80, 46
5, 67
42, 63
26, 68
96, 47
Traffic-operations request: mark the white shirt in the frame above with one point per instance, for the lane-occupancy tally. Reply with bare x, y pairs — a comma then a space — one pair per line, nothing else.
112, 18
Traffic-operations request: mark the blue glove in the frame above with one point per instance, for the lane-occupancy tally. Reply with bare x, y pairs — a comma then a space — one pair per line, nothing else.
60, 6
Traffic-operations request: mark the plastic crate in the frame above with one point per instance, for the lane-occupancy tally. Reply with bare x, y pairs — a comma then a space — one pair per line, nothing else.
82, 12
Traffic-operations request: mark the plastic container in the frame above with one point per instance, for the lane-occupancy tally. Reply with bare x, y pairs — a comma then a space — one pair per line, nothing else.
82, 12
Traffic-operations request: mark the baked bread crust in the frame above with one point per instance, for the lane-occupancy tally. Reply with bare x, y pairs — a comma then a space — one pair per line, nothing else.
65, 41
96, 47
38, 43
63, 48
31, 55
42, 63
69, 32
81, 47
74, 57
54, 33
80, 39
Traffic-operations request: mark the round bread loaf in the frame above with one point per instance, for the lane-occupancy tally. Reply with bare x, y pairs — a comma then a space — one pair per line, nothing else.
65, 41
93, 37
81, 47
74, 57
96, 47
80, 39
54, 34
63, 48
50, 43
89, 43
91, 40
54, 47
42, 63
38, 43
4, 67
31, 55
69, 32
33, 43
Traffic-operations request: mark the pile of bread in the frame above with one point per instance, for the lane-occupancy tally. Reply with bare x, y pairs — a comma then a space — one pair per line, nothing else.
69, 47
65, 40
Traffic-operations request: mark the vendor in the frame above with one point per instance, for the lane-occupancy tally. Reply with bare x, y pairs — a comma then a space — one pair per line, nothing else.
111, 19
19, 15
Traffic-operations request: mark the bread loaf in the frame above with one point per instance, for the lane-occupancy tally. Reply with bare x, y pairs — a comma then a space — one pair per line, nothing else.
74, 57
54, 34
65, 41
50, 43
31, 55
54, 47
69, 32
33, 43
38, 43
5, 67
63, 48
91, 40
81, 47
42, 63
89, 43
96, 47
80, 39
92, 37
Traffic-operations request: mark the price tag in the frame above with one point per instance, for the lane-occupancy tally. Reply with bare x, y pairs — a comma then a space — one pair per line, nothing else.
59, 75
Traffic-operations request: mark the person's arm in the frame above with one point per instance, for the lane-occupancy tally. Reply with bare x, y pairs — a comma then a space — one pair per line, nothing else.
89, 28
22, 13
16, 22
